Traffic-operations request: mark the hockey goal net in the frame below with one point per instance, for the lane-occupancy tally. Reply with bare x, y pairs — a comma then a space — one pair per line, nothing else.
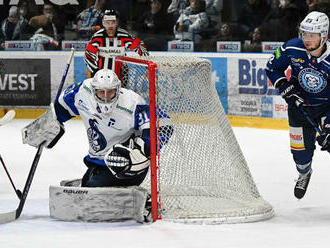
198, 172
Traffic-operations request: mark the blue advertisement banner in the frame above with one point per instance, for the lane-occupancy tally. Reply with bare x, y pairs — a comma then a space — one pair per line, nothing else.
219, 79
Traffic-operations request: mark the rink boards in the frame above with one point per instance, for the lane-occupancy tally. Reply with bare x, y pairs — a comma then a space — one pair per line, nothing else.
240, 79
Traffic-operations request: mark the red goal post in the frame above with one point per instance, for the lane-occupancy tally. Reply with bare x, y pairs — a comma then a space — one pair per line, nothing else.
153, 105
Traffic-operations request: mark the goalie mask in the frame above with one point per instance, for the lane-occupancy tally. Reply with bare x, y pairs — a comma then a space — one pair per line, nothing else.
106, 88
314, 23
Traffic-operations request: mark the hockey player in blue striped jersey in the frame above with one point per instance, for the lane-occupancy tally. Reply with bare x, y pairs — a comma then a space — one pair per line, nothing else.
308, 88
117, 125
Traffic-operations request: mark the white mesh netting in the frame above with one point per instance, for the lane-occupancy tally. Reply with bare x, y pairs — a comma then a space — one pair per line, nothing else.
203, 175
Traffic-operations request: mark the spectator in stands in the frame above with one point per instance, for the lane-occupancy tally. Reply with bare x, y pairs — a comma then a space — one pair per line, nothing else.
318, 5
13, 27
154, 26
291, 15
281, 22
254, 44
90, 20
48, 29
191, 22
275, 11
48, 23
272, 22
225, 33
213, 10
24, 9
251, 16
176, 8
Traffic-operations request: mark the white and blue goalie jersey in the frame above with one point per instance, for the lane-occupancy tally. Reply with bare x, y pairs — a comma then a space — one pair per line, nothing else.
129, 116
310, 75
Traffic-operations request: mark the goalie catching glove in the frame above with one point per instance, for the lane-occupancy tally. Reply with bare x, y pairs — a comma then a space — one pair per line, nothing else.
128, 159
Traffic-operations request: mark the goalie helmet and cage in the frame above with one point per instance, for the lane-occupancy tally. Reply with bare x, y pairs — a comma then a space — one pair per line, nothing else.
198, 174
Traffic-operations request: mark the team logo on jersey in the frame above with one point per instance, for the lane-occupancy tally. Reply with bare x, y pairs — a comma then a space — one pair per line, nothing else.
311, 80
96, 139
112, 123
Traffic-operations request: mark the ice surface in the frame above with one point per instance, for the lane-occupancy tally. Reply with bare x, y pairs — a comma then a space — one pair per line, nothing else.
304, 223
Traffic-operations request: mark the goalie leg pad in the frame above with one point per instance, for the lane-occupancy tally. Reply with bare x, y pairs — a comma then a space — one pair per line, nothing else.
98, 204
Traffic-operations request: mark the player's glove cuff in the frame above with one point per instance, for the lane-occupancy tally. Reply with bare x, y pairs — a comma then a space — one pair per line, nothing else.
324, 139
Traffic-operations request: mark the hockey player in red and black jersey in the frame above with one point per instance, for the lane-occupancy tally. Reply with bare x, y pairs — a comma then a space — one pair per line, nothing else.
110, 41
307, 92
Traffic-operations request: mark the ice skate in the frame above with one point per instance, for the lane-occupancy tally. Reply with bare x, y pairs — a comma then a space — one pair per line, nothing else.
302, 184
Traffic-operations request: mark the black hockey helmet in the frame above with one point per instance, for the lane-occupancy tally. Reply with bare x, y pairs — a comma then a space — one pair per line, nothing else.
111, 14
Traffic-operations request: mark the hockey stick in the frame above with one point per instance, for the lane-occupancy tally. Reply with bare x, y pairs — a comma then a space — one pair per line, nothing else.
18, 192
310, 120
64, 75
4, 120
7, 117
13, 215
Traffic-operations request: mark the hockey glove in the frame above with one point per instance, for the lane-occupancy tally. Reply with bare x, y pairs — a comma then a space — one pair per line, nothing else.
324, 138
289, 93
127, 159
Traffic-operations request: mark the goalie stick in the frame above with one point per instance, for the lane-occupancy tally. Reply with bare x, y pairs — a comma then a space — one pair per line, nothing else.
64, 75
7, 117
13, 215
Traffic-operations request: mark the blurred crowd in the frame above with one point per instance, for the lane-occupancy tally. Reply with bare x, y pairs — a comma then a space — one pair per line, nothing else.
158, 21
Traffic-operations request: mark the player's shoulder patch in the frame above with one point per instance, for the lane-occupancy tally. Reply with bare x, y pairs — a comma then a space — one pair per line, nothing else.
128, 100
87, 86
72, 88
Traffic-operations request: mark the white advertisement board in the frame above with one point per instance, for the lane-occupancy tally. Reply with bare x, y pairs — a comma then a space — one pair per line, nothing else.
250, 93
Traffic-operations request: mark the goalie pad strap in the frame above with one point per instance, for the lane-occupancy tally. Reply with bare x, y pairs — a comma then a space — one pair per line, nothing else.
97, 204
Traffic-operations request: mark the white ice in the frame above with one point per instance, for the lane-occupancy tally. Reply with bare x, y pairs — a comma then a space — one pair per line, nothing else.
304, 223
